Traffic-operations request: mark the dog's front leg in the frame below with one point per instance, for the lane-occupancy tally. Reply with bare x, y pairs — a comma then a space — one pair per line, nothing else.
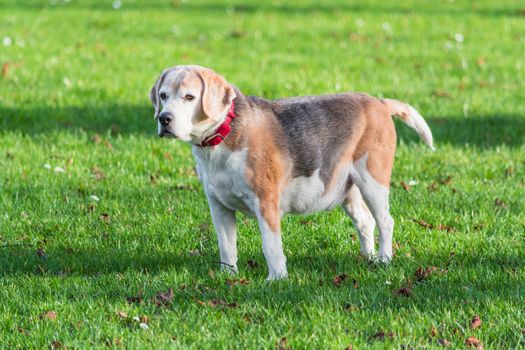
224, 221
269, 220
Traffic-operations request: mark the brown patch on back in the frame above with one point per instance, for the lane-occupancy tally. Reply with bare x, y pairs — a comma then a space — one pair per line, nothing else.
266, 167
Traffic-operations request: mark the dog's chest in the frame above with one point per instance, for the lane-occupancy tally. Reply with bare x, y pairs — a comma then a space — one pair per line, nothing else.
222, 174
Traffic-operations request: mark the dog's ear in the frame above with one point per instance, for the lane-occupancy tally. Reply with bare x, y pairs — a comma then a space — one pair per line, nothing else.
217, 95
154, 93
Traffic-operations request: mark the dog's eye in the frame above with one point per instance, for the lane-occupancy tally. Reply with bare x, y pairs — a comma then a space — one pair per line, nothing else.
163, 96
189, 97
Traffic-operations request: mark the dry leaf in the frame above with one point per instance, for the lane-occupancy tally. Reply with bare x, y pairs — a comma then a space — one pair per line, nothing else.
444, 342
163, 298
281, 345
252, 264
405, 186
233, 282
135, 300
50, 315
382, 335
105, 217
41, 253
474, 342
96, 138
338, 279
55, 344
422, 274
405, 291
475, 322
97, 173
217, 302
500, 203
122, 314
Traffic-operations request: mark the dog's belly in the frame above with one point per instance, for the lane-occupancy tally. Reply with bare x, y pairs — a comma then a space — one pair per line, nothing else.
306, 195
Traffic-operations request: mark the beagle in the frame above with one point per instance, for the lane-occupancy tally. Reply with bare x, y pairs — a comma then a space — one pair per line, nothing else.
293, 155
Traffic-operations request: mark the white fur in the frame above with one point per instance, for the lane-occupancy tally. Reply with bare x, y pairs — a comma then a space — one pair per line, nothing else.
363, 220
375, 196
417, 122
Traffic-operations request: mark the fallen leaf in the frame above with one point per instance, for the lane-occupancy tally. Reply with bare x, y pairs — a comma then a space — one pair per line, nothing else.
405, 186
50, 315
41, 253
167, 156
105, 217
135, 299
97, 173
422, 274
471, 341
163, 298
475, 322
500, 203
96, 138
446, 181
382, 335
233, 282
252, 264
481, 61
444, 342
441, 227
441, 93
55, 344
433, 332
405, 291
122, 314
217, 302
356, 284
281, 345
5, 69
509, 171
108, 144
338, 279
349, 347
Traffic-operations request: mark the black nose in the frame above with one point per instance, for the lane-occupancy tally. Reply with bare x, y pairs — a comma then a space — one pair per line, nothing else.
165, 119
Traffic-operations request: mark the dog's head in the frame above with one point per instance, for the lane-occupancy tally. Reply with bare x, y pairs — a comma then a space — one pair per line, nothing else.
189, 101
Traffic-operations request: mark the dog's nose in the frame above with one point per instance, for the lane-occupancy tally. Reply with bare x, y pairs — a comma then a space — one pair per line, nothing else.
165, 119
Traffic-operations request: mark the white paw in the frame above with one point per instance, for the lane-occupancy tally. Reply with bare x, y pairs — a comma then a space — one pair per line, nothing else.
277, 275
384, 258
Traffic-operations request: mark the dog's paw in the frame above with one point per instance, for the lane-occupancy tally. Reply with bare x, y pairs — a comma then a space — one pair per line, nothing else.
275, 276
384, 259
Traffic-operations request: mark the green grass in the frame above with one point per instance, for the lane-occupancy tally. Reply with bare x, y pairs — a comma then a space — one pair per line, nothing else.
75, 96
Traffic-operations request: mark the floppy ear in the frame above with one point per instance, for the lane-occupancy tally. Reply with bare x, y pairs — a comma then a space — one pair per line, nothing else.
217, 95
154, 93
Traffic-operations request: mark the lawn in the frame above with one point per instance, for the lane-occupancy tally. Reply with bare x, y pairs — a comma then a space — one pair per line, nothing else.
98, 216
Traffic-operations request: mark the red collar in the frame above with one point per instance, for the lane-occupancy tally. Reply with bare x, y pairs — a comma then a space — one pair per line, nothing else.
223, 130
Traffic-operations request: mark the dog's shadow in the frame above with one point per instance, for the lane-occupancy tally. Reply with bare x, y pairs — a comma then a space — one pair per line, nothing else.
308, 275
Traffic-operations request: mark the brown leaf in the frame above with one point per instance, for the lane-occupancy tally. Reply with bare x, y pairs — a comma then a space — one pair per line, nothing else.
475, 322
433, 332
55, 344
281, 345
108, 144
356, 283
349, 347
235, 281
135, 299
252, 264
500, 203
422, 274
96, 138
441, 227
432, 187
405, 291
41, 253
122, 314
49, 315
382, 335
509, 171
105, 217
446, 181
167, 156
481, 61
5, 69
338, 279
443, 342
441, 93
97, 173
405, 186
163, 298
474, 342
218, 302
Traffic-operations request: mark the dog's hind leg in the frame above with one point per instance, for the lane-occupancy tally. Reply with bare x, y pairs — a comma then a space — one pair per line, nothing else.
376, 195
362, 218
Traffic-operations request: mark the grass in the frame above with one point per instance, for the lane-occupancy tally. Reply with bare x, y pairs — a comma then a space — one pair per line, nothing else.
73, 95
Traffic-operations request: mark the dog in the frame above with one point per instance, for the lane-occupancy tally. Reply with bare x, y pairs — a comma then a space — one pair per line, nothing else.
298, 155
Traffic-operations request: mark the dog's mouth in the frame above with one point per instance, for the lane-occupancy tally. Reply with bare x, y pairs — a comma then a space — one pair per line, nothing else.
167, 134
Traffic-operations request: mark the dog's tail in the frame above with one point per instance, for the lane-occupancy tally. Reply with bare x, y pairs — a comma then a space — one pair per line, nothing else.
410, 117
